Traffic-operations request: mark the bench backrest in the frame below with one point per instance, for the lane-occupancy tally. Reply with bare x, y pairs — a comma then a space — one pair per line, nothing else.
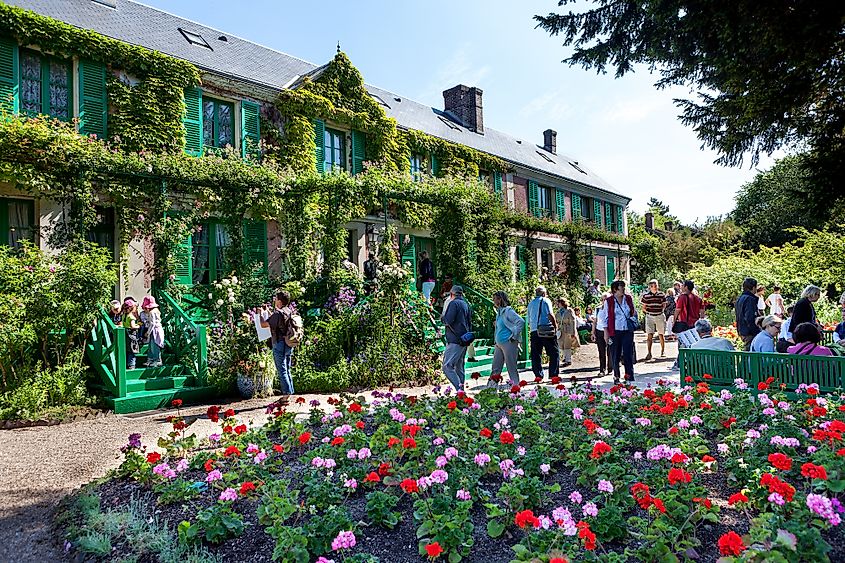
754, 367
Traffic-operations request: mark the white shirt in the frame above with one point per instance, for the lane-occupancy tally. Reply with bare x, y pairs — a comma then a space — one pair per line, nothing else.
621, 314
534, 312
601, 317
785, 333
761, 303
776, 304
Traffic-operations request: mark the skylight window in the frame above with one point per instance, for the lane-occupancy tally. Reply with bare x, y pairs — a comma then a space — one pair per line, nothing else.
546, 157
449, 123
380, 100
578, 168
194, 38
106, 3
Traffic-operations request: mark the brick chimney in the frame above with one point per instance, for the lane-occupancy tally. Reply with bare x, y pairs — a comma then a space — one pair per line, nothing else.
464, 104
649, 220
550, 140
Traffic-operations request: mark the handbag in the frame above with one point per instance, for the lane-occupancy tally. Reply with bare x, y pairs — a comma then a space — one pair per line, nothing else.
544, 330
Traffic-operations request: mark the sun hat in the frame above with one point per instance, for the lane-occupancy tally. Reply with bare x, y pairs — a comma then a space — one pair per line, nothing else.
771, 320
115, 304
653, 281
149, 302
129, 302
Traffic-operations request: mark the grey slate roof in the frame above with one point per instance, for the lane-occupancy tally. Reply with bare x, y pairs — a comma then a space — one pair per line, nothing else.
152, 28
414, 115
238, 58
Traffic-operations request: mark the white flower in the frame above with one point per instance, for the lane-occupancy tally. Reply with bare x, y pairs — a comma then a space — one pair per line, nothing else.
217, 286
231, 299
224, 281
210, 296
219, 302
234, 279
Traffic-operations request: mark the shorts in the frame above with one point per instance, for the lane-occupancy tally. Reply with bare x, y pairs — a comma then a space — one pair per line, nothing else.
655, 323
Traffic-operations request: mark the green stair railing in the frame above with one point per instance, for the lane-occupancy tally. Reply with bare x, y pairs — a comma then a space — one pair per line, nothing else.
107, 352
185, 338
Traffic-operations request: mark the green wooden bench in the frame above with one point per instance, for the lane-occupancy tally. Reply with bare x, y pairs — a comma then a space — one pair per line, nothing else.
753, 367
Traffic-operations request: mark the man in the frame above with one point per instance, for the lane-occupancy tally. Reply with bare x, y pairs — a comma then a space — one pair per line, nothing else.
688, 310
456, 318
654, 307
543, 326
426, 272
708, 341
746, 312
370, 272
278, 324
765, 339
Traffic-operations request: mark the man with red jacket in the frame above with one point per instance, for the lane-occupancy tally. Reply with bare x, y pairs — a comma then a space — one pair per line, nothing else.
688, 309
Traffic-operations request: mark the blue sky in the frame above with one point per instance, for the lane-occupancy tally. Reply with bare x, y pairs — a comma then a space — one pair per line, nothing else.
624, 129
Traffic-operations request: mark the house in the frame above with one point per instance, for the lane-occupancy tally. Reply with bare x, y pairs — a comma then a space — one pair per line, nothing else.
241, 81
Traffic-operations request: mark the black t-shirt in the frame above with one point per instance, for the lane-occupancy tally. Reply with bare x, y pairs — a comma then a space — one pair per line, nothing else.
278, 322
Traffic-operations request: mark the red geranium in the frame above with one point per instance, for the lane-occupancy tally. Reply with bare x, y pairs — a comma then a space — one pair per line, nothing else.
240, 429
515, 389
384, 469
705, 502
762, 386
731, 543
279, 448
354, 407
780, 461
590, 425
737, 497
411, 429
304, 438
526, 518
208, 465
452, 405
727, 423
246, 487
392, 441
678, 475
673, 430
359, 425
372, 477
338, 441
708, 459
229, 413
840, 452
587, 535
812, 391
227, 429
812, 471
506, 437
409, 443
558, 560
486, 433
679, 457
522, 383
213, 413
433, 550
599, 449
300, 400
232, 451
153, 457
176, 403
468, 401
409, 486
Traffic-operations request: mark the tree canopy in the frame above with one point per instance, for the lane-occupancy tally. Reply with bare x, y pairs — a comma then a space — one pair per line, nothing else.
766, 75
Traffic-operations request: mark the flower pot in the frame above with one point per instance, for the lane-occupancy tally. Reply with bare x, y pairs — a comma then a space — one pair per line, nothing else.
246, 386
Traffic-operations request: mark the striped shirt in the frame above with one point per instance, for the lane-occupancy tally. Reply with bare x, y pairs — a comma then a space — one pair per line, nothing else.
653, 302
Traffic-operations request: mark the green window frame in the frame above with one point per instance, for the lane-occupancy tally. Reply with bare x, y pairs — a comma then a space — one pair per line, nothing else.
45, 85
103, 231
17, 221
209, 245
545, 201
218, 123
334, 150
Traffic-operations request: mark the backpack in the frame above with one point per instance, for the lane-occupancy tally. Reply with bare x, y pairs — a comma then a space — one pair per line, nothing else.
295, 331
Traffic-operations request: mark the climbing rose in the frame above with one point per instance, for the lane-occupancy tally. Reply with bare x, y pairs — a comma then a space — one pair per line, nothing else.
433, 549
731, 544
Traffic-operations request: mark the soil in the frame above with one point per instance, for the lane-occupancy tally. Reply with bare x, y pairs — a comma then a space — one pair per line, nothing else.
40, 465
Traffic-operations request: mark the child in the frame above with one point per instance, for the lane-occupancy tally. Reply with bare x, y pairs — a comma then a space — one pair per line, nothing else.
132, 323
115, 312
155, 330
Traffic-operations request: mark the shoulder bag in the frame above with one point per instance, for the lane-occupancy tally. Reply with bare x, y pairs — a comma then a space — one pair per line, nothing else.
544, 330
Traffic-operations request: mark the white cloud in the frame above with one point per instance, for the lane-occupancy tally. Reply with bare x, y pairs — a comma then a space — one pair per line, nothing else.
459, 69
632, 111
548, 105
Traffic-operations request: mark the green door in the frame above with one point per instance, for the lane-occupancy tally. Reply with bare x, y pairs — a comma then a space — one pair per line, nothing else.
408, 251
611, 269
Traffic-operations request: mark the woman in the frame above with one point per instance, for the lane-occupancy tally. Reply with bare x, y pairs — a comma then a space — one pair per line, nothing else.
807, 338
155, 331
765, 339
597, 336
805, 311
509, 327
566, 330
670, 312
621, 321
761, 301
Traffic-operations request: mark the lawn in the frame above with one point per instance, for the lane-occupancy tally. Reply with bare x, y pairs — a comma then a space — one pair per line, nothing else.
543, 474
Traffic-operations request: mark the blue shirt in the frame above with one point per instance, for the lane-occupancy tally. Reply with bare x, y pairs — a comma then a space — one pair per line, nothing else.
534, 311
763, 342
621, 314
503, 333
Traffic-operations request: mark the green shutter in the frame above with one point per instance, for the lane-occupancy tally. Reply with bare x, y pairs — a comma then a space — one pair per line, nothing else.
183, 256
560, 205
409, 255
620, 223
610, 270
497, 184
93, 105
435, 165
320, 144
9, 76
597, 212
608, 216
576, 207
193, 121
255, 244
523, 266
534, 199
358, 151
250, 131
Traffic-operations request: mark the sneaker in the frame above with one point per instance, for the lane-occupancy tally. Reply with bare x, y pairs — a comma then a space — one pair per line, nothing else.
648, 357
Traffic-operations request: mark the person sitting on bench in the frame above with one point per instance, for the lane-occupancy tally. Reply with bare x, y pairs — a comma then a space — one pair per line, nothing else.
708, 341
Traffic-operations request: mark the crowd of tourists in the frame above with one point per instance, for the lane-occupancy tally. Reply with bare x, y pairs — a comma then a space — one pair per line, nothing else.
142, 324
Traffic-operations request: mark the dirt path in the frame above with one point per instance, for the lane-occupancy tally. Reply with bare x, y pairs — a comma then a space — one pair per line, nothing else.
41, 465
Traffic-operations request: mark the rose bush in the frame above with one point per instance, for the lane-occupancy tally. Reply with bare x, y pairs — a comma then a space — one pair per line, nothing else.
536, 474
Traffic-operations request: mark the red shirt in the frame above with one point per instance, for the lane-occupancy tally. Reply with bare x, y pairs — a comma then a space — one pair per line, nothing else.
688, 308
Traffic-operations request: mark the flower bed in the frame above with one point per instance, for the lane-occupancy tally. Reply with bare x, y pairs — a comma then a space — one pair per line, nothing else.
537, 474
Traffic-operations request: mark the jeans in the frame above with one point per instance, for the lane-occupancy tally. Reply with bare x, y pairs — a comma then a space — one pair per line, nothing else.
623, 349
601, 344
427, 288
154, 354
537, 346
453, 365
281, 356
506, 354
130, 359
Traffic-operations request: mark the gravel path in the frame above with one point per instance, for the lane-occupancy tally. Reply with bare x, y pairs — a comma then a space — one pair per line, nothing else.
41, 465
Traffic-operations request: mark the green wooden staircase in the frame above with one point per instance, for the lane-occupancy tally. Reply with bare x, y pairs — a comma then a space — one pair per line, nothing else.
183, 375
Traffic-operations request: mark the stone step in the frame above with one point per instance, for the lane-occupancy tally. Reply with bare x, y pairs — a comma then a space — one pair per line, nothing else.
158, 383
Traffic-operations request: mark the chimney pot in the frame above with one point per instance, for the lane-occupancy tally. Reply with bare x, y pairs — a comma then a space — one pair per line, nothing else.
649, 220
550, 141
464, 103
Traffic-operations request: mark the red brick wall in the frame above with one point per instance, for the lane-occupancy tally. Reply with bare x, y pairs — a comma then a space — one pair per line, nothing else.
600, 269
520, 194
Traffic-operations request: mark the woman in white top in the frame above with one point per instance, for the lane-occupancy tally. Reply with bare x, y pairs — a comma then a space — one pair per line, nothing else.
775, 302
597, 336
